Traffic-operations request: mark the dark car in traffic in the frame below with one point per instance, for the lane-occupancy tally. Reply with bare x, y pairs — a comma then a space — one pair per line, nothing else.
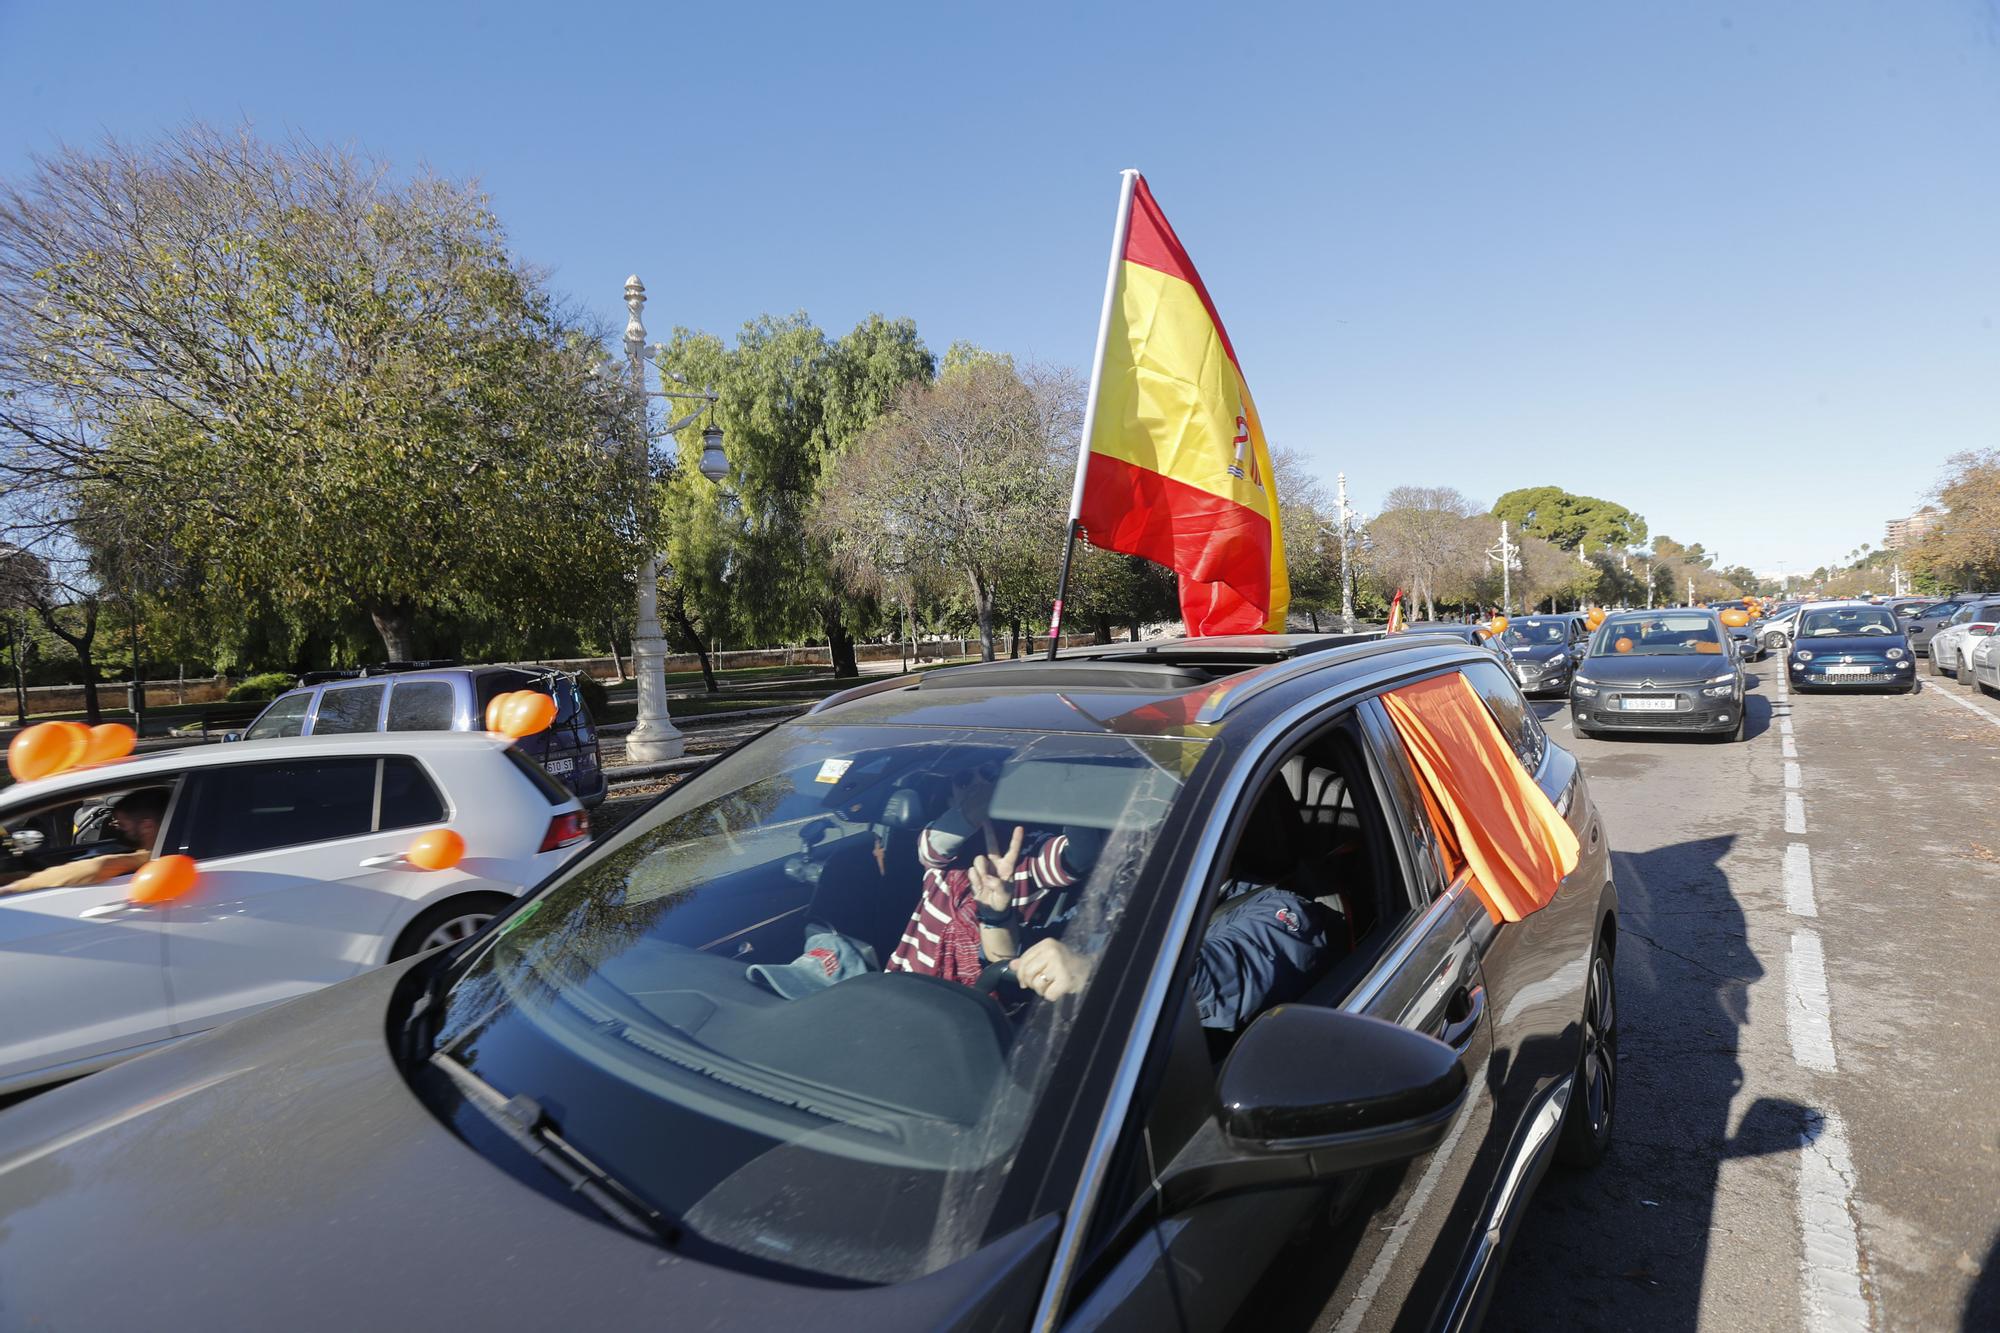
1542, 651
1850, 645
1921, 627
1478, 635
1672, 670
729, 1069
441, 697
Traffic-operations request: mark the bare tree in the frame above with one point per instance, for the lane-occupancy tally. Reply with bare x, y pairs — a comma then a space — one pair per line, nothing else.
967, 475
1424, 542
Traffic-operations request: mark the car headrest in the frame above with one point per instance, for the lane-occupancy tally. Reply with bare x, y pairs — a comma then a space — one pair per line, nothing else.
904, 810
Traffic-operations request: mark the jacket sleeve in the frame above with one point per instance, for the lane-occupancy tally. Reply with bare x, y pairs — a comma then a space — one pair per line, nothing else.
1265, 950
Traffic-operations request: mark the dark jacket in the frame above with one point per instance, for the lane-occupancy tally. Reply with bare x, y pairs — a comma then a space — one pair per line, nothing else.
1261, 950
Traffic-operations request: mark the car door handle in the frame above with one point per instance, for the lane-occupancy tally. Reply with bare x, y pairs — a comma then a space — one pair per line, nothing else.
1462, 1017
386, 859
112, 911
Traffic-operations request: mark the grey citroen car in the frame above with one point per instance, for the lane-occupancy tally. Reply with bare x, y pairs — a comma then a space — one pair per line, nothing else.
721, 1072
1673, 670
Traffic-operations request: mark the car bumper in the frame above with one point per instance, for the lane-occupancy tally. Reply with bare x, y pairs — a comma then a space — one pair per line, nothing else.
1553, 682
1890, 676
1692, 712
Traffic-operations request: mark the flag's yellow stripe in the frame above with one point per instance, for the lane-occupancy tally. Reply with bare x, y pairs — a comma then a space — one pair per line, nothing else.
1170, 396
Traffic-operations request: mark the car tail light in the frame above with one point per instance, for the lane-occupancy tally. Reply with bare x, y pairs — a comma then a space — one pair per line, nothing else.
566, 830
1982, 627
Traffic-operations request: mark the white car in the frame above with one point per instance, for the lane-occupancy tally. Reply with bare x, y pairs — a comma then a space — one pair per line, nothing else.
302, 882
1777, 633
1984, 659
1970, 623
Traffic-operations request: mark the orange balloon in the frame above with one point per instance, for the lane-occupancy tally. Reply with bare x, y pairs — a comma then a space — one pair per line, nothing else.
109, 741
1498, 624
163, 880
439, 849
1735, 619
497, 708
1596, 617
527, 713
45, 749
1622, 645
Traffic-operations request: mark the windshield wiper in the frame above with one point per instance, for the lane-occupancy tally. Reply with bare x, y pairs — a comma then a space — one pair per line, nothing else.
524, 1122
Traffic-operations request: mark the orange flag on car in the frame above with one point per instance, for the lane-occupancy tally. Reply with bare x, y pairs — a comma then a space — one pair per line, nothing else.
1489, 812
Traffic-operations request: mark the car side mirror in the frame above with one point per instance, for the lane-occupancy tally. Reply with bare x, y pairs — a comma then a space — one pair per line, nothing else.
1311, 1093
229, 736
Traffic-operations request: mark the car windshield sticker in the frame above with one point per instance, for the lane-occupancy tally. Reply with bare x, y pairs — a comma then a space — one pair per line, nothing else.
833, 770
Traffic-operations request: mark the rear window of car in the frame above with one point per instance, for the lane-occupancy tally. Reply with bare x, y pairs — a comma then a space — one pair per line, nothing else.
554, 791
350, 709
409, 797
422, 705
1510, 710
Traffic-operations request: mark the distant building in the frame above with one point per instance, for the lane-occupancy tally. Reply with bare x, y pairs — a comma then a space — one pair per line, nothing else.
1901, 533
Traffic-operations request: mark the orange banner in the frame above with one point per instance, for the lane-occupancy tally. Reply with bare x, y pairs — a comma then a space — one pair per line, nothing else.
1488, 810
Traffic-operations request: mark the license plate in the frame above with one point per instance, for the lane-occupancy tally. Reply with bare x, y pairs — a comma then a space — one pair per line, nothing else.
1847, 670
561, 766
1647, 705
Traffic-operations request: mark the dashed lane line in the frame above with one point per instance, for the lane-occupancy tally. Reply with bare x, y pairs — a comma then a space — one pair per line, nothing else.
1835, 1300
1808, 1016
1794, 778
1795, 812
1799, 898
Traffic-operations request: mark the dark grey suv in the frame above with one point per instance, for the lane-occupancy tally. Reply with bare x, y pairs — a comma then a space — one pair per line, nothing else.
742, 1065
446, 698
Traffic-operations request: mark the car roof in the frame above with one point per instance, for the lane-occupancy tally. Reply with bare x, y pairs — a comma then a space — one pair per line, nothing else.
1151, 689
165, 762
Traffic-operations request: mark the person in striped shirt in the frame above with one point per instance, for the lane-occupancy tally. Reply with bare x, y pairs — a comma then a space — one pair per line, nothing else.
985, 906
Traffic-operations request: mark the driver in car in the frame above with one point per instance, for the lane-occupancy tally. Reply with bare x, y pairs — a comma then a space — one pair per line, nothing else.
136, 816
1265, 946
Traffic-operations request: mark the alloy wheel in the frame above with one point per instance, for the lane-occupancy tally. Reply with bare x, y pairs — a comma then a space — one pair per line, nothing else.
453, 929
1599, 1068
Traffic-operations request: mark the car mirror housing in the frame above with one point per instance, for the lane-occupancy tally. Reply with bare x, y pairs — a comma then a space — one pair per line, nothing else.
1312, 1093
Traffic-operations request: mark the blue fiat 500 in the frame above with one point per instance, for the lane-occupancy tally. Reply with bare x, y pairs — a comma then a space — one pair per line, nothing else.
1850, 645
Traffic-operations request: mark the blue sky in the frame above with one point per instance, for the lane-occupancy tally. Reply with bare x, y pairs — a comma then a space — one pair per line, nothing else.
1734, 265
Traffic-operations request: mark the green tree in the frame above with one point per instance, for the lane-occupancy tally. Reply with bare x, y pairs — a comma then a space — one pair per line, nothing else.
1571, 521
315, 384
790, 402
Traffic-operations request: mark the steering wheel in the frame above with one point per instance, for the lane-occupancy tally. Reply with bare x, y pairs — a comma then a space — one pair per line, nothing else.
995, 975
43, 858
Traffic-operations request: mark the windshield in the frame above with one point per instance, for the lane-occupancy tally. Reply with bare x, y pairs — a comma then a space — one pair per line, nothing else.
1846, 620
763, 1007
1541, 630
1656, 634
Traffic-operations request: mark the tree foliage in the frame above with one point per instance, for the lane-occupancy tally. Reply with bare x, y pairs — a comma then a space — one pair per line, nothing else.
308, 382
1570, 521
1963, 548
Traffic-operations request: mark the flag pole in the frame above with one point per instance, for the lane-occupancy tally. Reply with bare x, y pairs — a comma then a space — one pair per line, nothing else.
1127, 180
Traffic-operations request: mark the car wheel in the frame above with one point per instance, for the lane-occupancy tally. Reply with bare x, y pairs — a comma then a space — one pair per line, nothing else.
1593, 1097
1964, 670
1774, 643
1582, 730
1936, 670
448, 923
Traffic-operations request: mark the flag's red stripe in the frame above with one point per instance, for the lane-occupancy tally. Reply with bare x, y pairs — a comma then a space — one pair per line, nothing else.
1203, 537
1150, 240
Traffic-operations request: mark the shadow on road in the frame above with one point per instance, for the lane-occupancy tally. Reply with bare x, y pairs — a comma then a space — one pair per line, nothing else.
1628, 1245
1982, 1303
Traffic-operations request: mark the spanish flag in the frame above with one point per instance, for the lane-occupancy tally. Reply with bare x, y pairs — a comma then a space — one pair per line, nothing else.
1174, 466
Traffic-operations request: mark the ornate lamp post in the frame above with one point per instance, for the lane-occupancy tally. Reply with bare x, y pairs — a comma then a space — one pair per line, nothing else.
655, 737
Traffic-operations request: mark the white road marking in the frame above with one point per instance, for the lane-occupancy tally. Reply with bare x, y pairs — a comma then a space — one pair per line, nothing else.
1784, 726
1795, 812
1967, 704
1799, 900
1835, 1301
1808, 1016
1794, 777
1790, 747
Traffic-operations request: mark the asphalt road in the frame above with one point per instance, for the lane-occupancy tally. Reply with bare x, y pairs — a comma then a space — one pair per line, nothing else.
1809, 1100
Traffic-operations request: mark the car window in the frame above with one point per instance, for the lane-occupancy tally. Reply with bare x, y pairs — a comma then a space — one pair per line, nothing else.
285, 717
409, 797
779, 964
246, 808
1657, 634
1846, 620
1510, 710
349, 709
76, 825
1539, 630
422, 705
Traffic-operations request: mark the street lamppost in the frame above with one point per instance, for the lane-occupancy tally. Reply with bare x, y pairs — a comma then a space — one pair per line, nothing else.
655, 737
1346, 522
1508, 553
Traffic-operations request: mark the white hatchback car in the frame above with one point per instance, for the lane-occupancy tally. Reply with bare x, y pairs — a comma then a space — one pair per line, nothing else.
302, 882
1972, 622
1984, 658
